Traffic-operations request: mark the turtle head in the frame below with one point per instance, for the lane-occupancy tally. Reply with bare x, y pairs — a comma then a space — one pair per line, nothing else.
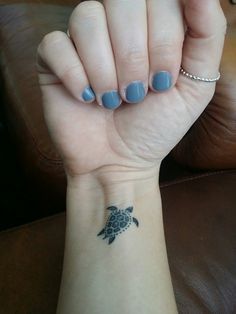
112, 208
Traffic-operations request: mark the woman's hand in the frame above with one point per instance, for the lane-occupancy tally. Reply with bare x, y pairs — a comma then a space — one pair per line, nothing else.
130, 53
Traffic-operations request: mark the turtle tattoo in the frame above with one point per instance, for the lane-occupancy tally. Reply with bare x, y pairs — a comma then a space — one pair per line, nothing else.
118, 221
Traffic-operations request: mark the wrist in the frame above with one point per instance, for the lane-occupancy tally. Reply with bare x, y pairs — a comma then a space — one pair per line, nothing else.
132, 260
90, 195
115, 185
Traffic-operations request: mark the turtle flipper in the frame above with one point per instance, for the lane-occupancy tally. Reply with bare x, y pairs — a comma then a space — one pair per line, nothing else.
111, 239
136, 221
101, 232
129, 209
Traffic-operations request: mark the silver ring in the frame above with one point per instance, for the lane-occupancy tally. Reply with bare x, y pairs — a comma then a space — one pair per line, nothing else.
197, 78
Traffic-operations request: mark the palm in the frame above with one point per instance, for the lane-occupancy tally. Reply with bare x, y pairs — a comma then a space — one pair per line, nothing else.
89, 136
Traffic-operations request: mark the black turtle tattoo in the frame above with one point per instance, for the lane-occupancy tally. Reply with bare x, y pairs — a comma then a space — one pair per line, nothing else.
118, 221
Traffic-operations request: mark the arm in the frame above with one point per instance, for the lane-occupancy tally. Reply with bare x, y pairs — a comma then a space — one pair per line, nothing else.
113, 135
130, 275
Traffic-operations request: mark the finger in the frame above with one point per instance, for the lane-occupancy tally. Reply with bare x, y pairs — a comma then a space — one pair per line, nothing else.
206, 28
127, 23
57, 52
88, 29
166, 35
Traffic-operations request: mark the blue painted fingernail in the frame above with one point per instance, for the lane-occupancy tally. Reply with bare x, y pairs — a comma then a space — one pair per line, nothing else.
111, 100
162, 81
135, 92
88, 94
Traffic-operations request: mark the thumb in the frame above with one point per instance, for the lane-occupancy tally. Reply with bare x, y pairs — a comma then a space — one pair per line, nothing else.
204, 41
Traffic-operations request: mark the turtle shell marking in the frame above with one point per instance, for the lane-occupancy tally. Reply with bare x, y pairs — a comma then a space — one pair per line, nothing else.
117, 223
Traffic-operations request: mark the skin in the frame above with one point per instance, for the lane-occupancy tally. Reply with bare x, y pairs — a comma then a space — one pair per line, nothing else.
141, 134
112, 157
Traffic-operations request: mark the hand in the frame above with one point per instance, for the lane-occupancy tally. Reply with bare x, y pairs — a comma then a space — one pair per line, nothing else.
211, 142
112, 46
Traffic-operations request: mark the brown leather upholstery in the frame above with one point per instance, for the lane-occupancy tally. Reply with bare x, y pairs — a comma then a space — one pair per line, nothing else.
200, 223
200, 226
22, 27
199, 211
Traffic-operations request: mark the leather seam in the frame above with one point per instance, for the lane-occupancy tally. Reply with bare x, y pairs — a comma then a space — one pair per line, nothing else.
197, 177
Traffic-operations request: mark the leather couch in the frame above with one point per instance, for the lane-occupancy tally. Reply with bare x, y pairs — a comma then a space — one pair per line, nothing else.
198, 181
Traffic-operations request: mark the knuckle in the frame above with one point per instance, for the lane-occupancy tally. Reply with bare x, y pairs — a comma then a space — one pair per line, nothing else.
223, 23
71, 73
87, 10
165, 46
51, 39
167, 40
133, 58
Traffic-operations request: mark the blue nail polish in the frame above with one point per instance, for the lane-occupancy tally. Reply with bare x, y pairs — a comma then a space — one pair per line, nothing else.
111, 100
135, 92
162, 81
88, 94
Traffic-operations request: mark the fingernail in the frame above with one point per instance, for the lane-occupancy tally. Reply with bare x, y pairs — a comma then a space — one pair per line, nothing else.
162, 81
111, 100
135, 92
88, 94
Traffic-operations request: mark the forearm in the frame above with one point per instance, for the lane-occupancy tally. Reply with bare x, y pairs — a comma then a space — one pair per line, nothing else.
130, 275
